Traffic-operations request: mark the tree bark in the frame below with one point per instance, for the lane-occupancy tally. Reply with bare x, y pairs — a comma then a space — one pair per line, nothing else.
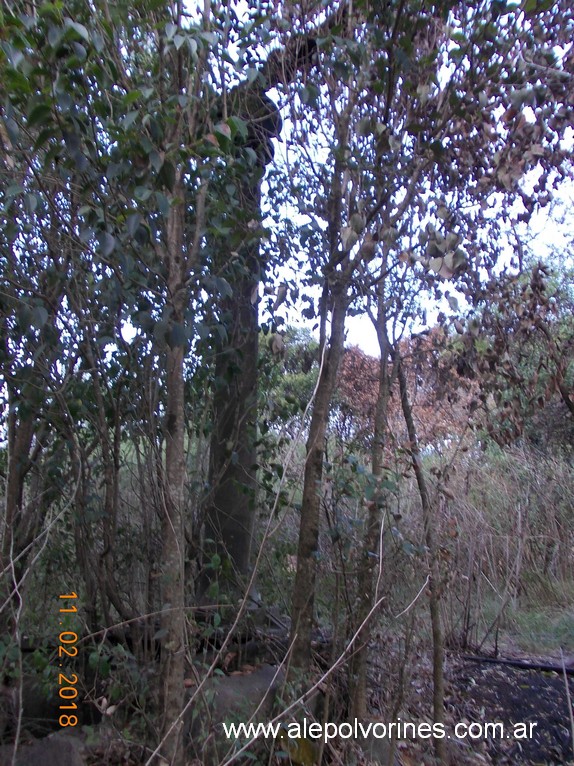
369, 562
20, 438
302, 605
231, 503
334, 300
173, 497
434, 575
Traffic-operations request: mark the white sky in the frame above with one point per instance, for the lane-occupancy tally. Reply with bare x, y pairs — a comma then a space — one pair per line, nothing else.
551, 231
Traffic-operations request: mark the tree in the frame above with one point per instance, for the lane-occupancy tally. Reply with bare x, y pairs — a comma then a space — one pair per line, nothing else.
231, 502
517, 350
141, 141
412, 160
136, 138
80, 106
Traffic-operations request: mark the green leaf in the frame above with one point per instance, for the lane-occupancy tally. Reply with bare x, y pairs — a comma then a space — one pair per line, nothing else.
222, 132
209, 37
132, 223
31, 203
202, 330
310, 94
80, 29
192, 45
238, 127
50, 9
142, 193
107, 244
131, 97
64, 101
453, 302
17, 83
160, 331
144, 319
341, 70
38, 114
39, 316
167, 175
129, 119
80, 52
252, 74
251, 156
456, 54
43, 136
532, 7
55, 34
24, 316
14, 190
409, 548
98, 42
147, 145
437, 149
177, 336
14, 56
223, 287
142, 235
162, 203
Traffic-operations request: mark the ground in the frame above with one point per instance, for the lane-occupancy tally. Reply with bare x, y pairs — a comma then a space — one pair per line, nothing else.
490, 692
485, 692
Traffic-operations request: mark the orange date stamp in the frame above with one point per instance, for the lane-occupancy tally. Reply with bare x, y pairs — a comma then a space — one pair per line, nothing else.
67, 689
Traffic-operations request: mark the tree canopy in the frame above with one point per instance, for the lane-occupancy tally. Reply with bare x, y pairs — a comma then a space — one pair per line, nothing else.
175, 181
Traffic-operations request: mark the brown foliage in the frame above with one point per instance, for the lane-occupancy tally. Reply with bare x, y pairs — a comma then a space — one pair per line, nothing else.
520, 355
442, 400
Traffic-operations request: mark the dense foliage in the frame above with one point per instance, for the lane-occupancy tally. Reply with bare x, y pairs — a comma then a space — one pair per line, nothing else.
161, 423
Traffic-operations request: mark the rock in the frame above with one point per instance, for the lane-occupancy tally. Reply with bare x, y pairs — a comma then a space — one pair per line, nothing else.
377, 750
230, 699
40, 709
57, 750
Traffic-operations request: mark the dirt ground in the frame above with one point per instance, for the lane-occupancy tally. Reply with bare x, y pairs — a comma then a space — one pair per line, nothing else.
483, 693
490, 692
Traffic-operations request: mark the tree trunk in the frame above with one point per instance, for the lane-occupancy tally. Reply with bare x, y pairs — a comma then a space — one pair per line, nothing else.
302, 605
173, 497
109, 439
12, 563
434, 578
337, 276
230, 506
369, 563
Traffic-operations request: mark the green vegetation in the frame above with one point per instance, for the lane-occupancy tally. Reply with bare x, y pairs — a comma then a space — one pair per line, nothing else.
221, 489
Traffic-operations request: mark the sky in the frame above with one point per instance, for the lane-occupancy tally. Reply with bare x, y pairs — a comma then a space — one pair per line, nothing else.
551, 231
